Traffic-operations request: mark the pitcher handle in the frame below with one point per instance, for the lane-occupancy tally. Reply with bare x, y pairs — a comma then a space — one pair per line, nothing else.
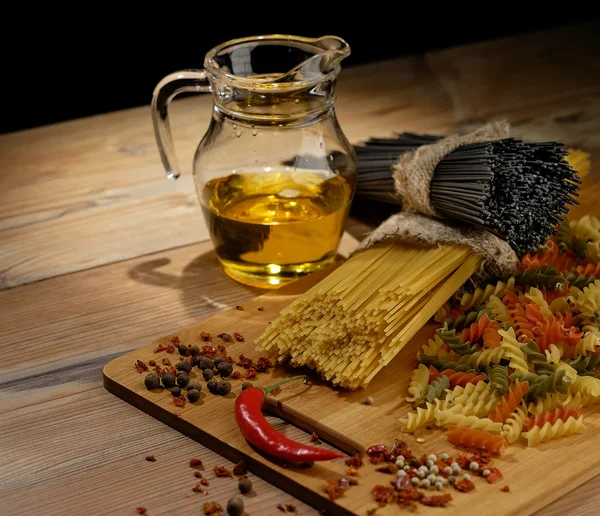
166, 89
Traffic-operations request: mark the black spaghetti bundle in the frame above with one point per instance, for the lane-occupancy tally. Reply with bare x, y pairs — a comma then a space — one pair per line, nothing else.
514, 189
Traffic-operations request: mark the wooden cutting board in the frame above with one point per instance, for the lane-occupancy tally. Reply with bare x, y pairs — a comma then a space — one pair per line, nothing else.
536, 476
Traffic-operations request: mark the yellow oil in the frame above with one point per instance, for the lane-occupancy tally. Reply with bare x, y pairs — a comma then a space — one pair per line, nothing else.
271, 227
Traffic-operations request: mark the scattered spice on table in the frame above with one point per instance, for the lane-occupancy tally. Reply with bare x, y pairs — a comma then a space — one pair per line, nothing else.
168, 379
245, 485
183, 349
166, 361
239, 307
238, 337
179, 401
170, 349
141, 510
368, 401
196, 463
212, 508
336, 488
140, 366
390, 469
436, 500
235, 506
160, 348
175, 340
193, 395
251, 373
151, 458
289, 507
205, 336
244, 362
204, 482
505, 489
151, 363
223, 387
280, 507
198, 488
352, 471
239, 469
197, 474
237, 375
464, 485
261, 308
225, 336
314, 438
225, 369
263, 364
371, 511
152, 381
222, 471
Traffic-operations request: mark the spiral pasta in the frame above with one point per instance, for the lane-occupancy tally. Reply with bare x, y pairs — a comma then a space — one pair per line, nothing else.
587, 387
477, 439
475, 400
499, 310
549, 402
569, 371
553, 431
588, 344
435, 347
511, 429
465, 320
499, 380
481, 295
587, 301
418, 383
583, 363
545, 383
509, 401
485, 329
448, 418
483, 358
436, 388
536, 296
586, 228
552, 417
454, 341
459, 378
420, 416
512, 351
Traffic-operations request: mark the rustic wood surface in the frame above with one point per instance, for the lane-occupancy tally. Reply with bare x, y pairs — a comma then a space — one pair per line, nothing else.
90, 196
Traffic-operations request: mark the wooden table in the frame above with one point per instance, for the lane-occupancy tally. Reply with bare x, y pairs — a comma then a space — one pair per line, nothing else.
99, 254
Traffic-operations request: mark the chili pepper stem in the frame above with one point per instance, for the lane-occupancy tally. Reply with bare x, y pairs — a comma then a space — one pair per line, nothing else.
268, 390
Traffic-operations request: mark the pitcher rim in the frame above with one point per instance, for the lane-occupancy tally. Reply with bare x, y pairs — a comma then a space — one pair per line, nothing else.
212, 69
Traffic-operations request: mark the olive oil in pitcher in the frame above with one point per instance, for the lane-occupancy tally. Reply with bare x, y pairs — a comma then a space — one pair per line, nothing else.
272, 226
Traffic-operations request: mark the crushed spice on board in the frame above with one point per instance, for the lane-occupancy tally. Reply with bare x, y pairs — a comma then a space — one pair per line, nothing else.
314, 438
221, 350
244, 362
151, 458
198, 488
352, 471
251, 372
238, 336
197, 474
196, 463
280, 507
140, 366
205, 336
388, 468
505, 489
261, 308
222, 471
151, 363
170, 349
226, 337
204, 482
436, 500
237, 375
166, 361
141, 510
371, 511
212, 508
160, 348
175, 340
464, 486
289, 507
239, 469
355, 461
239, 307
263, 364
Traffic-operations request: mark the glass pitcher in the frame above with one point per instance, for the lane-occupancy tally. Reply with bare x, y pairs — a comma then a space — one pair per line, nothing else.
274, 173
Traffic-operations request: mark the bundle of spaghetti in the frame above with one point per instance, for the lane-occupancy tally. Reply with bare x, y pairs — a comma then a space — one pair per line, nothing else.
356, 320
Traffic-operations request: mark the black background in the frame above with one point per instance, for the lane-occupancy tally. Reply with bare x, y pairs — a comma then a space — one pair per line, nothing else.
79, 63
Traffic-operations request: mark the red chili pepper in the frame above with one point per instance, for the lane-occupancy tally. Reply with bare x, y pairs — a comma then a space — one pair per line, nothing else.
257, 431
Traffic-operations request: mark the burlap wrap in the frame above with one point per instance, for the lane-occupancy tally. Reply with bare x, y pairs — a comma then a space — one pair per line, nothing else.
418, 220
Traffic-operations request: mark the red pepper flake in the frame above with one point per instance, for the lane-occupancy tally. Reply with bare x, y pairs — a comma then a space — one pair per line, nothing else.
244, 362
383, 494
204, 482
463, 460
505, 489
314, 438
290, 507
494, 475
166, 361
236, 375
261, 308
436, 500
170, 349
209, 351
179, 401
221, 350
198, 488
352, 471
140, 366
159, 371
160, 348
222, 471
175, 340
464, 486
239, 307
229, 359
251, 372
355, 461
151, 363
239, 469
205, 336
333, 489
238, 337
376, 453
141, 510
388, 468
212, 508
263, 364
226, 337
197, 474
280, 507
151, 458
172, 370
196, 463
352, 481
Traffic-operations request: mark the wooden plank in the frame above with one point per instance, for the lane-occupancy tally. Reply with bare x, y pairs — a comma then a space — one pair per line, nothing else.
101, 179
340, 417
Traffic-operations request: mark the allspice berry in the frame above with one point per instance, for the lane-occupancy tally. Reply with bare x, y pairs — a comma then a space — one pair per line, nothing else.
152, 381
245, 485
235, 506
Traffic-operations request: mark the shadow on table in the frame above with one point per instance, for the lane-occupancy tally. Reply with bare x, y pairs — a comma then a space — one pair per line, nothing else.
203, 285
